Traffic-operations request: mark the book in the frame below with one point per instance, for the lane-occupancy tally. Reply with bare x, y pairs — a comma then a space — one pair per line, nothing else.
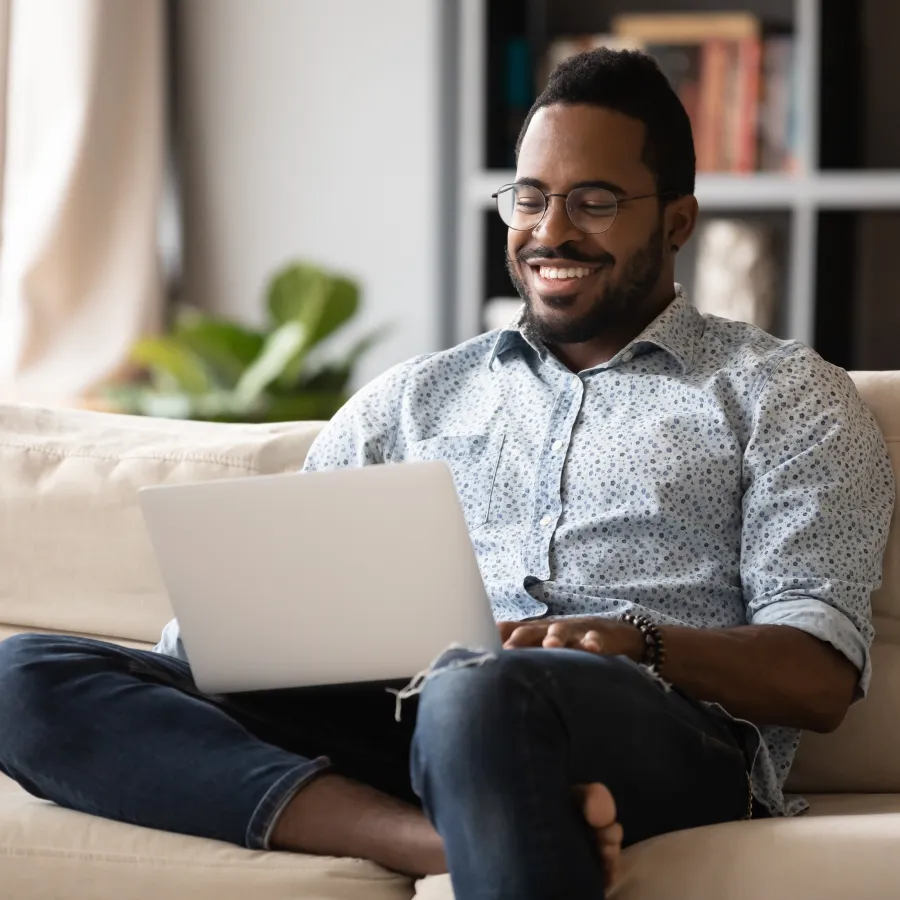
749, 64
709, 140
517, 93
736, 84
681, 64
685, 28
712, 61
776, 102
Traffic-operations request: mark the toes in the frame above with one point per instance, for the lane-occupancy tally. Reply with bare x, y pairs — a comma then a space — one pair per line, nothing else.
612, 861
609, 844
600, 813
599, 806
611, 836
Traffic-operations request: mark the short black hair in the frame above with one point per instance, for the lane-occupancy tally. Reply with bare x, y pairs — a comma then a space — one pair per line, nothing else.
629, 82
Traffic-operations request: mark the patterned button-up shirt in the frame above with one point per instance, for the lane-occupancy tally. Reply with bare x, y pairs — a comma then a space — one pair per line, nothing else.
707, 475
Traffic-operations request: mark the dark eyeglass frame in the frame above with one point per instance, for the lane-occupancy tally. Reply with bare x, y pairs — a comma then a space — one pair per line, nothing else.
616, 200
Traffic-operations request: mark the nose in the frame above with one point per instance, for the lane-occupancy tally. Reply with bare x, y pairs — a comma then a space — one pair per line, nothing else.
556, 227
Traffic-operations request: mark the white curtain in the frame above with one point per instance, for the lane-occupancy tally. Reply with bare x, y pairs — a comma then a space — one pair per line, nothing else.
81, 143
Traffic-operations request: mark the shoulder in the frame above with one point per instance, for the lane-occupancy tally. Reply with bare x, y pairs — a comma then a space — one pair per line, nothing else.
800, 376
471, 355
726, 344
757, 362
380, 402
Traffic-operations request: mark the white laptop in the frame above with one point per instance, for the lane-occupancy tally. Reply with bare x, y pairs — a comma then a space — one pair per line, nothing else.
352, 575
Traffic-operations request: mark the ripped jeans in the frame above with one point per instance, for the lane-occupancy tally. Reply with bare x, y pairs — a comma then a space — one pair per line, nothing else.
490, 751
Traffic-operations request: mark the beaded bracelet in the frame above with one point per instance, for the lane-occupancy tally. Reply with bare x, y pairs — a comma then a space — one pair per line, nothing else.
654, 642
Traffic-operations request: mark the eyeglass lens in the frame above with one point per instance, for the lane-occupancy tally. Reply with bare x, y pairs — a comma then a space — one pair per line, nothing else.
522, 207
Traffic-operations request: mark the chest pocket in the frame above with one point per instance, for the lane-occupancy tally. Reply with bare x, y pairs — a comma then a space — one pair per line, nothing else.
473, 459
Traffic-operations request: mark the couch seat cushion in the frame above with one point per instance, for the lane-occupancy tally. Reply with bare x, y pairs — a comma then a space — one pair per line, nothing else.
47, 853
845, 847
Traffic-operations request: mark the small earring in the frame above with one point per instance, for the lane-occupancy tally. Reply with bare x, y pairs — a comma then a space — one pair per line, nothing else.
674, 248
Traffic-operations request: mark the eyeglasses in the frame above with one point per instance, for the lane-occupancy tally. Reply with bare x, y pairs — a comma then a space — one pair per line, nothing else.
592, 210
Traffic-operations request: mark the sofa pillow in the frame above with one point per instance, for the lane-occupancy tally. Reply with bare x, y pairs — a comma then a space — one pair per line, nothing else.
74, 553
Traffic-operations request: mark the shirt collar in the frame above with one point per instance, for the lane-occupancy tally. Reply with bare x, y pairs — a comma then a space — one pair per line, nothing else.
675, 330
511, 336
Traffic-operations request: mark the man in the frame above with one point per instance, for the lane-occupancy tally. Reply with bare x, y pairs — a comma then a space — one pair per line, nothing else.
617, 455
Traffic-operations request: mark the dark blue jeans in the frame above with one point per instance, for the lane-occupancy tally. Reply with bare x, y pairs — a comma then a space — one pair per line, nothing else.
491, 752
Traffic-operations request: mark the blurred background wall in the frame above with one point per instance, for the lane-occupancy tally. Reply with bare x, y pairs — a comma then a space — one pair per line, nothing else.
311, 129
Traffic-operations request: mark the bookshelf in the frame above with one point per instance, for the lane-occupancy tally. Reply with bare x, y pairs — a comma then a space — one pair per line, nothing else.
829, 210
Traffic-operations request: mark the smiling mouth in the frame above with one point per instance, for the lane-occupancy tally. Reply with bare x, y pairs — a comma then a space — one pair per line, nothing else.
561, 279
556, 273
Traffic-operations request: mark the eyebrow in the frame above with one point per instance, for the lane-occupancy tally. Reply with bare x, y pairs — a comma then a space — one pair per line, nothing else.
608, 185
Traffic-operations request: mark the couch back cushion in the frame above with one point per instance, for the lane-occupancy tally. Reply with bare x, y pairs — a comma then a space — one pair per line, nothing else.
864, 753
74, 554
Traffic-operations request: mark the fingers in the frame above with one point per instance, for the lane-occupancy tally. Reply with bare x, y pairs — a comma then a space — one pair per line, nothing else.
572, 635
592, 642
553, 635
526, 636
559, 634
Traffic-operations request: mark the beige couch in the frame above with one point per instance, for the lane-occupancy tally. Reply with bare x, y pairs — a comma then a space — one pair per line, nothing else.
74, 558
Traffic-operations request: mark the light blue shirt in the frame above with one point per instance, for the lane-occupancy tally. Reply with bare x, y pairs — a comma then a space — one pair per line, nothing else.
708, 475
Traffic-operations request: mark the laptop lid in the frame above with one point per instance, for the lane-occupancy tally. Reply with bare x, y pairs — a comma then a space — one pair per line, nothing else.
349, 575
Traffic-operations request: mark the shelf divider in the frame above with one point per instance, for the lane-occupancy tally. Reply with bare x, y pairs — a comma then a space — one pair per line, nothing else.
863, 189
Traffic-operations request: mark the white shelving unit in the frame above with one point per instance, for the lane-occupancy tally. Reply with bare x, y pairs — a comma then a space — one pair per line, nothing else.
803, 195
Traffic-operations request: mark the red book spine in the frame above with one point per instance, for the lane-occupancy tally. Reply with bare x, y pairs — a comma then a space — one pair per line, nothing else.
713, 74
749, 73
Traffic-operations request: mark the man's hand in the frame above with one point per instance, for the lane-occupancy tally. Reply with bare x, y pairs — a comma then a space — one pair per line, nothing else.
590, 633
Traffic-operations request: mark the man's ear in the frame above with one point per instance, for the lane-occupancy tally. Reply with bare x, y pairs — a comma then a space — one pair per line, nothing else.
681, 219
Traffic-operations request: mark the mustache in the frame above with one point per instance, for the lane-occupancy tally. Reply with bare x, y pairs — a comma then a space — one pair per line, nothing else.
565, 251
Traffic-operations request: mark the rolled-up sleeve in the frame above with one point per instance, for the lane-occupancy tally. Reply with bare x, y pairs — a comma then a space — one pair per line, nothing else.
818, 499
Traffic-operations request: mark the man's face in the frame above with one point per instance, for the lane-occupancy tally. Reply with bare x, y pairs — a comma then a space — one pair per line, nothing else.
564, 147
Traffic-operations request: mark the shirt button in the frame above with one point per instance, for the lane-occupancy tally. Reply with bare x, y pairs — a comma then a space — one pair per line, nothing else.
627, 356
557, 446
546, 521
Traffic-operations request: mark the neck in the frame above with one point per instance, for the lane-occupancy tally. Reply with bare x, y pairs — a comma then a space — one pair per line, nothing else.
578, 357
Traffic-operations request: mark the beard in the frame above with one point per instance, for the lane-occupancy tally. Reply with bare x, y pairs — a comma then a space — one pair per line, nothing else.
615, 304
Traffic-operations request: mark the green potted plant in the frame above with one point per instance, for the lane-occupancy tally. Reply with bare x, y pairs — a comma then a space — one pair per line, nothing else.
214, 369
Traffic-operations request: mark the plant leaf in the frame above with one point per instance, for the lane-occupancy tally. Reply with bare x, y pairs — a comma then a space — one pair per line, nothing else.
281, 346
295, 288
312, 405
327, 378
226, 347
335, 375
321, 302
323, 315
338, 306
166, 356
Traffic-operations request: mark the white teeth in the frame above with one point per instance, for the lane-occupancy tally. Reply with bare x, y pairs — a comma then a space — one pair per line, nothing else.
552, 272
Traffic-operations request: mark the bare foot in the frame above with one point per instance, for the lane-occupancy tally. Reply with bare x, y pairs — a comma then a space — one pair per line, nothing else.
333, 816
600, 812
